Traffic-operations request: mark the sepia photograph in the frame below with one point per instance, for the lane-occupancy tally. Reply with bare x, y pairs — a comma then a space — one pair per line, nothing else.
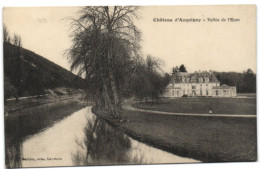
129, 85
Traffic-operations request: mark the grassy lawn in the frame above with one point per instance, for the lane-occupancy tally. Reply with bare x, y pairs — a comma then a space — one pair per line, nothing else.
246, 94
202, 105
209, 139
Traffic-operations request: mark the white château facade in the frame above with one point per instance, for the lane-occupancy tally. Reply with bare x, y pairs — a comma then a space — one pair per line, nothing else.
197, 84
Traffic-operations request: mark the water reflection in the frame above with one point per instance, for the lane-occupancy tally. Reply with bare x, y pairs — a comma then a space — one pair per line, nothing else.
13, 143
104, 145
82, 139
107, 145
13, 155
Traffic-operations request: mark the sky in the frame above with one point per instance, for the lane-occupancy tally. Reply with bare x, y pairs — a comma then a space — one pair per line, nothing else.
219, 46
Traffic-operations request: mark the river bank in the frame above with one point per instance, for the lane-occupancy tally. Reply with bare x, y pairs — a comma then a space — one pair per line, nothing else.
207, 139
82, 139
22, 121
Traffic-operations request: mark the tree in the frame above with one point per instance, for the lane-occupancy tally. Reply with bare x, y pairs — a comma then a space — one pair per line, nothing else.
175, 70
182, 68
9, 89
105, 38
17, 40
147, 82
152, 63
166, 79
139, 81
245, 82
6, 34
155, 79
249, 81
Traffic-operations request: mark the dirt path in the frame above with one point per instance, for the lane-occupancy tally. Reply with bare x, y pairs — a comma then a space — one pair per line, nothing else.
129, 107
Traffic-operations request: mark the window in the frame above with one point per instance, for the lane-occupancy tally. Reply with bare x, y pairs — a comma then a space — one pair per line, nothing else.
216, 92
193, 87
201, 93
207, 93
172, 92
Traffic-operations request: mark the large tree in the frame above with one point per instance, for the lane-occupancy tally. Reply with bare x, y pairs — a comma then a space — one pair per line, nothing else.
106, 42
146, 81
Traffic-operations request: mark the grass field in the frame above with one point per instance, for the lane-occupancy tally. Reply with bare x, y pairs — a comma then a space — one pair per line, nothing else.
208, 139
202, 105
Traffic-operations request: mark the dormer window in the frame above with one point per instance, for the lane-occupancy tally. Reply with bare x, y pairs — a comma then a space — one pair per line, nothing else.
200, 79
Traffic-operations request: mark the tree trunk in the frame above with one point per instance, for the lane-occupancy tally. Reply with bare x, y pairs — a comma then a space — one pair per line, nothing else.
110, 64
105, 88
113, 88
111, 73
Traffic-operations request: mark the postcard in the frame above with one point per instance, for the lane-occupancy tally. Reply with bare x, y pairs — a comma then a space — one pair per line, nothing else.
121, 85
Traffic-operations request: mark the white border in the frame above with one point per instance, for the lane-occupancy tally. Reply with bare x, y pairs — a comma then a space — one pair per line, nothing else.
24, 3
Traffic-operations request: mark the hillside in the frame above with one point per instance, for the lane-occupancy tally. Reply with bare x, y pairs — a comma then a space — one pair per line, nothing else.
27, 73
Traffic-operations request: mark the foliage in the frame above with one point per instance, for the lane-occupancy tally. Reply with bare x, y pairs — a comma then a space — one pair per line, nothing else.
30, 73
182, 68
146, 81
6, 34
16, 40
9, 89
245, 82
105, 40
175, 70
249, 81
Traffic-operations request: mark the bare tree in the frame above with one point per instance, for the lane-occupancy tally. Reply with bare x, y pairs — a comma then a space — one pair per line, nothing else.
6, 34
17, 40
104, 38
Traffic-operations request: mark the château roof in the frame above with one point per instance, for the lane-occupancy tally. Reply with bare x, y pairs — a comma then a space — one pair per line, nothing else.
196, 77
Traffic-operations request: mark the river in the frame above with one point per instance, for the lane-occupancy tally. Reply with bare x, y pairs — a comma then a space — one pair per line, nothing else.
83, 139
